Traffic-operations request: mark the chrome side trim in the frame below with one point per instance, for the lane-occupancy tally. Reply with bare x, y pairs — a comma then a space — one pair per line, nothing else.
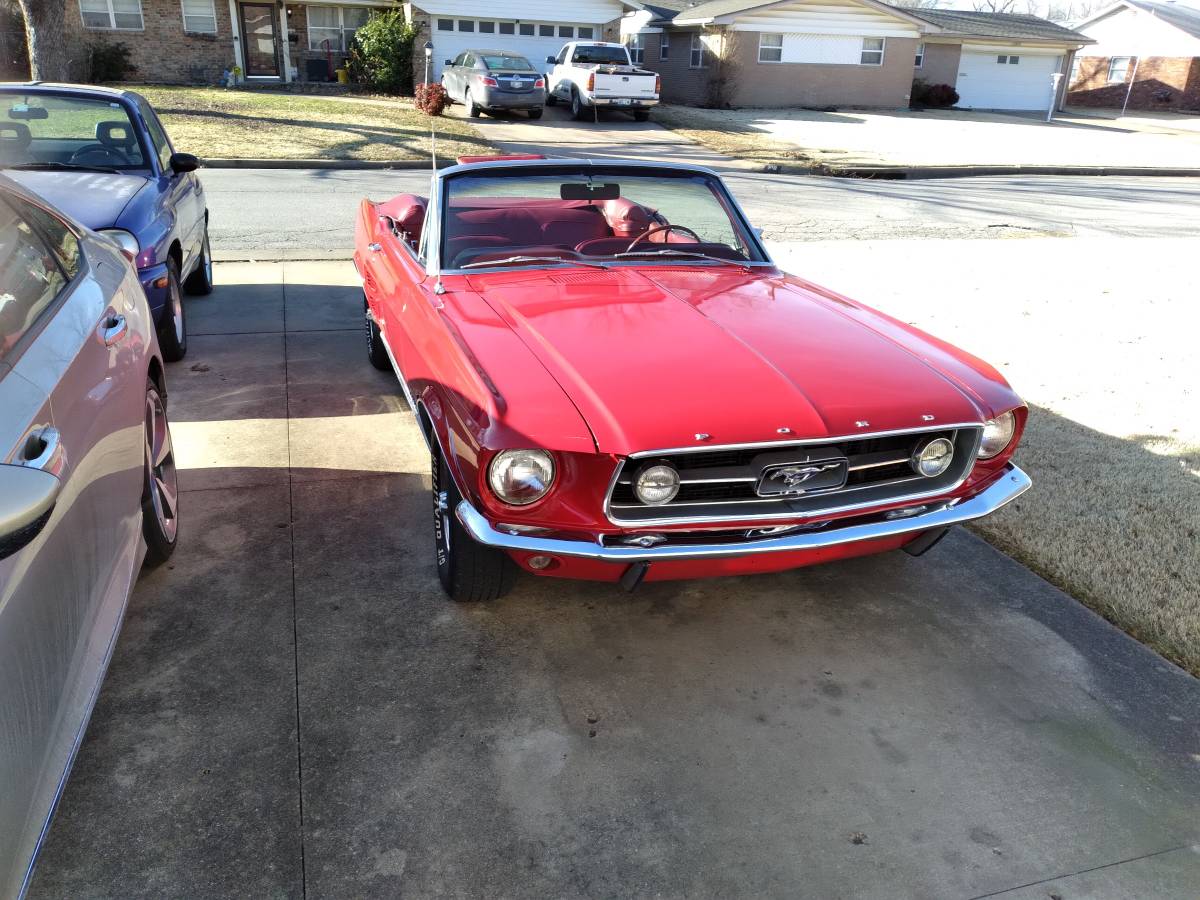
1011, 484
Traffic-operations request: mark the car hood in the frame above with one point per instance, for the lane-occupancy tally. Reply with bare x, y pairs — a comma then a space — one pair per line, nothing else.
96, 199
655, 357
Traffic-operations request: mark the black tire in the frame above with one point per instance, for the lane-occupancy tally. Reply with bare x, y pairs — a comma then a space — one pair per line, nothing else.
578, 110
172, 327
200, 282
469, 571
376, 352
472, 110
535, 114
551, 98
641, 115
160, 482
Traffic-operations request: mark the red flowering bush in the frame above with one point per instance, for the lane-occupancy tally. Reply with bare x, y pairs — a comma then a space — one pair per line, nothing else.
431, 99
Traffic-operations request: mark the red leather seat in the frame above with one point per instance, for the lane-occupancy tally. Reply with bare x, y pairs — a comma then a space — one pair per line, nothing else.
408, 212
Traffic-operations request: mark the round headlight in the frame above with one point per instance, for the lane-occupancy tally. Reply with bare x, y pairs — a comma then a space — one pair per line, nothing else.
519, 477
934, 457
656, 485
997, 433
123, 239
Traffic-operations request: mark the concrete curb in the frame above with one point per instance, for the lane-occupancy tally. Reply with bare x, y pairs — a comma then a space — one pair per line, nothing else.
920, 172
335, 164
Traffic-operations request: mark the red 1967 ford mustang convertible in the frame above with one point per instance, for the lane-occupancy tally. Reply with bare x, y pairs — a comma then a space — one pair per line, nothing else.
616, 383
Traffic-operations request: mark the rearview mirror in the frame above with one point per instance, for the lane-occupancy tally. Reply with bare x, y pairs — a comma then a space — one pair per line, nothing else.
24, 111
576, 191
27, 497
183, 162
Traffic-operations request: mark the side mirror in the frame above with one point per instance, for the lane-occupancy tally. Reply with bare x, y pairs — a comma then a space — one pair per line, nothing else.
183, 162
448, 62
552, 60
27, 497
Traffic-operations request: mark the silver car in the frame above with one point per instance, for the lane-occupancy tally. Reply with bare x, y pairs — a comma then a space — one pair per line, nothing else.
88, 494
494, 80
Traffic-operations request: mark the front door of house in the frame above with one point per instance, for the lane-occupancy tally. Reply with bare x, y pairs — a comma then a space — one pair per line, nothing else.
258, 39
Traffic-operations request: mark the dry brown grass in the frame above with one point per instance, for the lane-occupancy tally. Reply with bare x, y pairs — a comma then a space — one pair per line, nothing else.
1098, 336
719, 131
217, 123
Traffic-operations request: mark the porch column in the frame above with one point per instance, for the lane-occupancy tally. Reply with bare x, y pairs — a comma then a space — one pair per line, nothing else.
286, 53
236, 25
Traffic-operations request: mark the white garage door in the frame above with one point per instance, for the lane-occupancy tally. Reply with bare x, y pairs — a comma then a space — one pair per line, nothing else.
533, 40
1005, 78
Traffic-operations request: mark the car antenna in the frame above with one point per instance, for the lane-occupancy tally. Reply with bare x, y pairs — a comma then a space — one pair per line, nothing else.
438, 287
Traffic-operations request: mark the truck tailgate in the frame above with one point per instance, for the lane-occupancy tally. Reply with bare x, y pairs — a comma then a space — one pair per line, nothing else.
640, 85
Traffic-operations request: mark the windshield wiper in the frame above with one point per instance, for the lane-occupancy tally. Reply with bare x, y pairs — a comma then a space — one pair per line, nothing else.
683, 253
65, 167
538, 259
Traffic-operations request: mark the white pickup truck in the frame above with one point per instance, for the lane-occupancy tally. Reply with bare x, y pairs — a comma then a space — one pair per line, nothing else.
590, 75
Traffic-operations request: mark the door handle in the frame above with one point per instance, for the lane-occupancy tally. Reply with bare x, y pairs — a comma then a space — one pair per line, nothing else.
114, 329
42, 449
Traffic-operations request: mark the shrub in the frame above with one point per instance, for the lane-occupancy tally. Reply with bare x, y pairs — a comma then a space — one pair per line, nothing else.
431, 99
109, 62
382, 53
936, 95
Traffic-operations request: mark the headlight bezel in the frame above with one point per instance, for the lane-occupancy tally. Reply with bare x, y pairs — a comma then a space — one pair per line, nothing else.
1004, 430
503, 464
657, 467
126, 240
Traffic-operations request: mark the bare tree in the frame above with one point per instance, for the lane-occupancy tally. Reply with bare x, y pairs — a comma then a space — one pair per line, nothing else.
996, 6
47, 38
918, 4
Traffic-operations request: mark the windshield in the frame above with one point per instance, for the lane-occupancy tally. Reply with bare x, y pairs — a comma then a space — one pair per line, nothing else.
604, 56
43, 130
507, 63
593, 216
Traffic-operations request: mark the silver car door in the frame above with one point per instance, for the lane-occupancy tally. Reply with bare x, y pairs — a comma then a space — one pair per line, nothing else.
73, 396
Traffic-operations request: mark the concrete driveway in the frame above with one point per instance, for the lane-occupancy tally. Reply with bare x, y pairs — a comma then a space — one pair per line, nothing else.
610, 134
294, 710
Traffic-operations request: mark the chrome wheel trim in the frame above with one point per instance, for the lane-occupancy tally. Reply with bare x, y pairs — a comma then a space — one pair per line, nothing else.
161, 476
208, 268
176, 309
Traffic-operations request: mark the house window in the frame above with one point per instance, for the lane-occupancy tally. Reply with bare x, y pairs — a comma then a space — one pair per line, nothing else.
1118, 69
467, 25
1076, 64
117, 15
199, 16
506, 28
546, 31
487, 27
770, 48
566, 31
1013, 60
1001, 59
445, 24
872, 52
696, 59
335, 24
664, 45
920, 60
585, 34
637, 49
527, 30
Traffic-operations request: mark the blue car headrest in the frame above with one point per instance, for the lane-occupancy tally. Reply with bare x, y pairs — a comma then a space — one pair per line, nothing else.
14, 135
115, 134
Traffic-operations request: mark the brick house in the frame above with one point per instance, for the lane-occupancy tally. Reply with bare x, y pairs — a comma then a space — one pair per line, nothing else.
845, 53
1144, 50
195, 41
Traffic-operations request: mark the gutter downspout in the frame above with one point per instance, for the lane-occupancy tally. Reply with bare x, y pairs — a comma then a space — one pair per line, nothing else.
284, 51
235, 25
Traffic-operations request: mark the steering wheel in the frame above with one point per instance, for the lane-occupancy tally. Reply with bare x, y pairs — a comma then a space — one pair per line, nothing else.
661, 229
91, 153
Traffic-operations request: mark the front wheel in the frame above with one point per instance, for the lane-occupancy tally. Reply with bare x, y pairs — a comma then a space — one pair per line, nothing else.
160, 483
469, 571
172, 327
200, 282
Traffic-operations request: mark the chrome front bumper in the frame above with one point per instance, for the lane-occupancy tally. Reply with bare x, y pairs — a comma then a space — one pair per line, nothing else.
942, 514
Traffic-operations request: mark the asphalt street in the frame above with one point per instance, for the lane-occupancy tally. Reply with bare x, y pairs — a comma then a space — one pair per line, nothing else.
284, 213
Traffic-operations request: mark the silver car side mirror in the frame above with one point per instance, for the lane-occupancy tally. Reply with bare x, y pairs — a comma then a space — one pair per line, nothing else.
27, 497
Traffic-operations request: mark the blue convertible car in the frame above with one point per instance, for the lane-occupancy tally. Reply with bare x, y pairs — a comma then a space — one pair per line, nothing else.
103, 157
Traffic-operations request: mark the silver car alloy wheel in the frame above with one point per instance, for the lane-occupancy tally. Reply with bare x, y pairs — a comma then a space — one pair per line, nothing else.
161, 476
208, 268
176, 301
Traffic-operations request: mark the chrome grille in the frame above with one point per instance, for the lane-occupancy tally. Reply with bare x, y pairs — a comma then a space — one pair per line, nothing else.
722, 483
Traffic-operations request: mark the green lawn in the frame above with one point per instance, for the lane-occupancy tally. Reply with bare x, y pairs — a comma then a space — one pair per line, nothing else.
235, 124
